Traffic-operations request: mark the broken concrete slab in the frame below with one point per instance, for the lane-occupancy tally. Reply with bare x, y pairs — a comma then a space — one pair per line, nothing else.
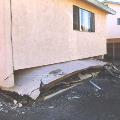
60, 91
28, 81
83, 77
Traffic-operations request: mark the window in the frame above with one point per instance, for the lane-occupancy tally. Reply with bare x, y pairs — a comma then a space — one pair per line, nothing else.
83, 20
118, 21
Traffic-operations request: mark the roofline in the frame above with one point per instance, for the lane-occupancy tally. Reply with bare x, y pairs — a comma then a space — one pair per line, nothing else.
111, 2
101, 6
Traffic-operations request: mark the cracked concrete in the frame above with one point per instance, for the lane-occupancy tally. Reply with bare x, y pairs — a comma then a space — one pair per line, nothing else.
28, 82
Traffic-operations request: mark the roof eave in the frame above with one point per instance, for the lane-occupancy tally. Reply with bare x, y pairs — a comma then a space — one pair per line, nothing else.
111, 2
101, 6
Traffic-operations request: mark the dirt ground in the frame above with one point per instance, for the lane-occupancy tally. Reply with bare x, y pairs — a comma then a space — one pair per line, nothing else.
83, 102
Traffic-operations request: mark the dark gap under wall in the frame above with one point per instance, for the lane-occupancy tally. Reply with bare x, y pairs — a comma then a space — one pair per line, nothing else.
113, 48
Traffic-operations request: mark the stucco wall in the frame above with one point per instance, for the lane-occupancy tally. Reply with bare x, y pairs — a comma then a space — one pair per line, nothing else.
112, 27
43, 33
6, 69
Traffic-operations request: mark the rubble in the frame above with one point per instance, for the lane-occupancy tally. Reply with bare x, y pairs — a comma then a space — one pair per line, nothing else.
74, 97
20, 105
112, 70
51, 107
84, 76
58, 92
34, 94
15, 102
95, 85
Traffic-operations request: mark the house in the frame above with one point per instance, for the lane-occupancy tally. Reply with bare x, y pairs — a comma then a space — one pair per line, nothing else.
113, 28
37, 33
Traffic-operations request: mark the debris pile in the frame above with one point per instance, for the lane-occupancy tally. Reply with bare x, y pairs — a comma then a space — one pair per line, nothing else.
112, 70
16, 99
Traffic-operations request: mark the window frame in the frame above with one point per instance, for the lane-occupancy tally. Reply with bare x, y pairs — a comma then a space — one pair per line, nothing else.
92, 29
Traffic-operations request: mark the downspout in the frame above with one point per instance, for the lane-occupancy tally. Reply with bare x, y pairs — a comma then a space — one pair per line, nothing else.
11, 35
11, 42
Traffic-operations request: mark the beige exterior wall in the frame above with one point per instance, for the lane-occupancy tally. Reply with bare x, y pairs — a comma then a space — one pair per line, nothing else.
6, 69
112, 27
43, 33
